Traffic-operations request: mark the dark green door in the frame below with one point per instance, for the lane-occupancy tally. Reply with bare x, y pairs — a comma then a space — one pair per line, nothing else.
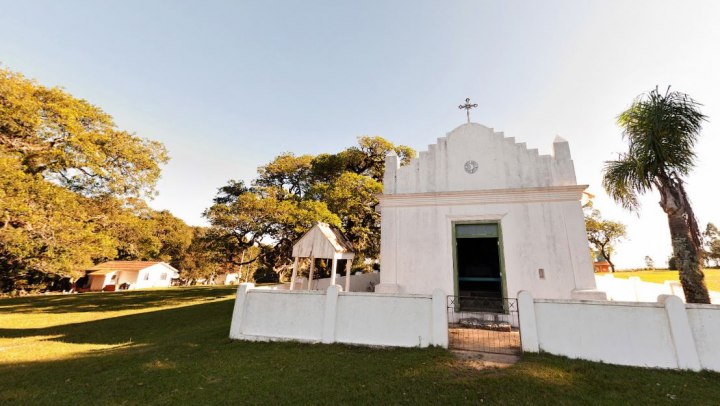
478, 262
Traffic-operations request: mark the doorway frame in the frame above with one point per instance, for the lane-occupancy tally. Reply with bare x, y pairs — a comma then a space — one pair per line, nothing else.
501, 253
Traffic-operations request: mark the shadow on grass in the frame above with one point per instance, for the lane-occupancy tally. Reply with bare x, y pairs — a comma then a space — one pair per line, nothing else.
147, 327
111, 301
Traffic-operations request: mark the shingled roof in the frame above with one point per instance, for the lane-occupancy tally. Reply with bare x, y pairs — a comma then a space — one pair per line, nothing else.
112, 266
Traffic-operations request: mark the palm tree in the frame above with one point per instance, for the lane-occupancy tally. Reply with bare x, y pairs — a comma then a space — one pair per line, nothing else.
661, 130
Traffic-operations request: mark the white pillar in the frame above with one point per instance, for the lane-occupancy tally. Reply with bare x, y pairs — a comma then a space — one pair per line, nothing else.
239, 310
334, 271
330, 314
681, 332
348, 265
635, 280
439, 319
312, 269
294, 273
528, 324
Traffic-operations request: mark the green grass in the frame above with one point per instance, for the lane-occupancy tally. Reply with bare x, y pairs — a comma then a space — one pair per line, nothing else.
171, 347
712, 277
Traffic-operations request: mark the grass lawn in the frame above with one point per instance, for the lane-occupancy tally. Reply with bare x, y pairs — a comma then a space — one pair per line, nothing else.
712, 277
171, 347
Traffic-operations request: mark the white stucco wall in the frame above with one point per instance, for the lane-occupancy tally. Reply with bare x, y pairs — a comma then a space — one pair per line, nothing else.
634, 289
129, 277
374, 319
136, 279
534, 198
705, 323
227, 278
284, 314
617, 333
664, 334
358, 283
343, 317
502, 164
154, 272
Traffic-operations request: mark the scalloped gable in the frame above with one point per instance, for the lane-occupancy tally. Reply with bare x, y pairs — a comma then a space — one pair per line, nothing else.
502, 163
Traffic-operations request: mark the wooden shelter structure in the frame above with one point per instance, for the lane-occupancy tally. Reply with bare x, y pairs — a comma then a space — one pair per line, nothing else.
325, 242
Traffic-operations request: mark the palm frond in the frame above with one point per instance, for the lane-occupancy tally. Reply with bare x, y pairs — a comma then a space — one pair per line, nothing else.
625, 179
662, 130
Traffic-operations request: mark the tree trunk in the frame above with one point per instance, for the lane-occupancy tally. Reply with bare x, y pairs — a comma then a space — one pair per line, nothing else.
685, 237
605, 252
687, 258
612, 266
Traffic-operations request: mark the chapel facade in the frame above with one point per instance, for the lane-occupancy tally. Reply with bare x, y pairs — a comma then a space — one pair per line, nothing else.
479, 214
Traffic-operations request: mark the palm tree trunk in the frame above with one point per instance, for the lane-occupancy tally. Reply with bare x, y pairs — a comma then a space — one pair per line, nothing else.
687, 258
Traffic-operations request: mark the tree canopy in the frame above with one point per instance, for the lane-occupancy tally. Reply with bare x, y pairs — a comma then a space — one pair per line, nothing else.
71, 188
72, 142
291, 193
603, 234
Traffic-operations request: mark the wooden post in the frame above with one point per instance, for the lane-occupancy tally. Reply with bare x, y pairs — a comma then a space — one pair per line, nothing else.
312, 269
294, 273
334, 270
348, 267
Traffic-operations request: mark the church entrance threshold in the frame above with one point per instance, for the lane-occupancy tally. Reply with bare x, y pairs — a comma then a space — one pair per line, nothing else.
484, 324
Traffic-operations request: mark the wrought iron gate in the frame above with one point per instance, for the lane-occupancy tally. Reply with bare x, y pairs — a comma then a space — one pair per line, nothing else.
484, 324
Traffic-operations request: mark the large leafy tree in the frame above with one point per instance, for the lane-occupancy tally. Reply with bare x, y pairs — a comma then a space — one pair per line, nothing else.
352, 198
293, 192
73, 142
603, 234
44, 230
71, 188
367, 159
174, 235
260, 223
128, 224
287, 172
200, 260
661, 130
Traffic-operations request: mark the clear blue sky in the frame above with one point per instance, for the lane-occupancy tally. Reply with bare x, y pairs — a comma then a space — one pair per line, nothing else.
228, 85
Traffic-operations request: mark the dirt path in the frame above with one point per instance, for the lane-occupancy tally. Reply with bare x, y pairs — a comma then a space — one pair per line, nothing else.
483, 360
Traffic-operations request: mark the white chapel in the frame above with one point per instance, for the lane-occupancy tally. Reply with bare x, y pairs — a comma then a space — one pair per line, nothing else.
479, 214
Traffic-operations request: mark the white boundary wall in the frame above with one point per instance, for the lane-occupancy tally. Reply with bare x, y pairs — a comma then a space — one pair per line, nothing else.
340, 317
665, 334
635, 290
358, 283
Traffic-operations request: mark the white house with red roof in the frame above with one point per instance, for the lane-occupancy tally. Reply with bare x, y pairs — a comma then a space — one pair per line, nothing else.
124, 275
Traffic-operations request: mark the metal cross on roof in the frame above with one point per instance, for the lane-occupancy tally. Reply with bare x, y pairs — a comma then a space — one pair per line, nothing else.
467, 106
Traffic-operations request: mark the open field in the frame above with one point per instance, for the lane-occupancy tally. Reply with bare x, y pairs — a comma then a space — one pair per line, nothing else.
712, 277
171, 347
